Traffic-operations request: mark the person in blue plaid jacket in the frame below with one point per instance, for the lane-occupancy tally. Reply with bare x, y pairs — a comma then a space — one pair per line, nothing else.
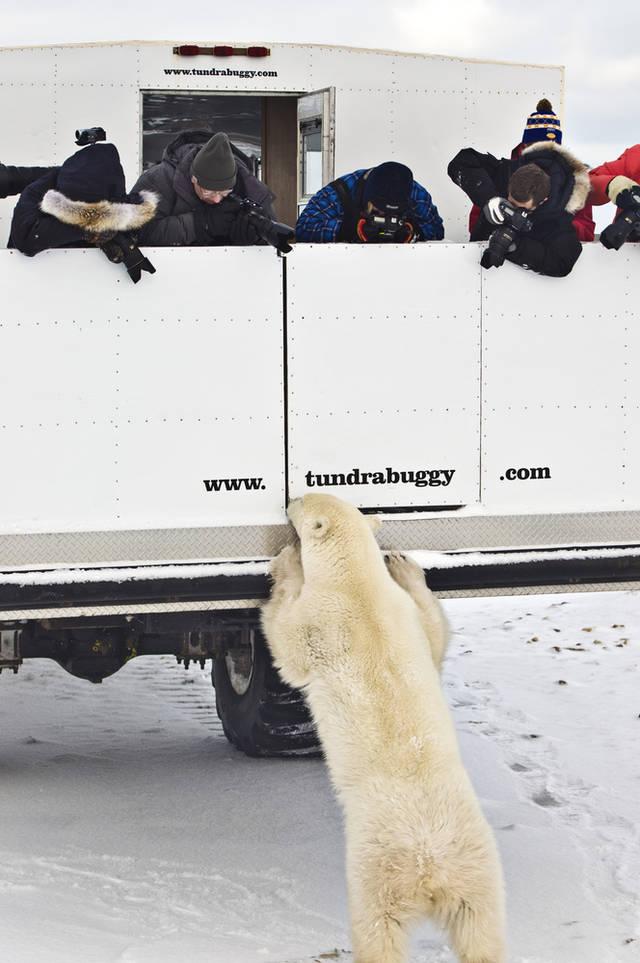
380, 205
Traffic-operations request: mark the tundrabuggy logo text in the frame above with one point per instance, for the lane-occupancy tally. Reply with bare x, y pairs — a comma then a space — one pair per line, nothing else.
420, 477
215, 72
233, 484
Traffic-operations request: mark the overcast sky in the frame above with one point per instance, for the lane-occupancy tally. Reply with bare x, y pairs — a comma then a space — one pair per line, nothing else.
597, 42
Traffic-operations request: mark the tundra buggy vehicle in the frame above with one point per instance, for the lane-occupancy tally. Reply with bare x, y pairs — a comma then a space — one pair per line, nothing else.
152, 434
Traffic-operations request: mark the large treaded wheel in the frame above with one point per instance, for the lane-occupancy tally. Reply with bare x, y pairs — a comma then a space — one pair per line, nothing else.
260, 715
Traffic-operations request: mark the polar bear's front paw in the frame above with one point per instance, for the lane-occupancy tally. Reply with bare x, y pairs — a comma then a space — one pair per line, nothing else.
286, 567
405, 572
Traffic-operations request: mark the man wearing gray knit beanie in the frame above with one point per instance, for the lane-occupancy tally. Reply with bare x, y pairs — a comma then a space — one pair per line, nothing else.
201, 181
213, 170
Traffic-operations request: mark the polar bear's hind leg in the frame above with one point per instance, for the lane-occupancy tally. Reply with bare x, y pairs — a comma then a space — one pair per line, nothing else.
475, 930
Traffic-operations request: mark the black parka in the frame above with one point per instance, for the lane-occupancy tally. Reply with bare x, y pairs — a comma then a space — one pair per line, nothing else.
552, 246
181, 215
32, 230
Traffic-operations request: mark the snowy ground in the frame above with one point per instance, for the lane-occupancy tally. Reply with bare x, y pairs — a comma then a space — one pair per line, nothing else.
132, 833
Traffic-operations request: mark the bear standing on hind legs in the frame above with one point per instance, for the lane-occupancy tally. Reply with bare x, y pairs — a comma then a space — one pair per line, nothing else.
363, 640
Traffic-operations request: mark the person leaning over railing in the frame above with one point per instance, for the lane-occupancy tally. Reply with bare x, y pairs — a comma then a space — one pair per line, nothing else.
83, 203
528, 205
619, 181
202, 183
380, 205
543, 126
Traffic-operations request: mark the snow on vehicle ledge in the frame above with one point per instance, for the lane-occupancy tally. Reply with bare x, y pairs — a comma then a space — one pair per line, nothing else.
427, 560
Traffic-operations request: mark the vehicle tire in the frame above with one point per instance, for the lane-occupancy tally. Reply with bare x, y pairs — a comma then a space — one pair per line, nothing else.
260, 714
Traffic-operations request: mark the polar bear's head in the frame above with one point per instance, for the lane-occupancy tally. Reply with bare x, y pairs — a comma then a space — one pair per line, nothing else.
336, 539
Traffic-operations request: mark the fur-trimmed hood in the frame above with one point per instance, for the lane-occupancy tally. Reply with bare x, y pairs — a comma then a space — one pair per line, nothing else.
550, 157
100, 217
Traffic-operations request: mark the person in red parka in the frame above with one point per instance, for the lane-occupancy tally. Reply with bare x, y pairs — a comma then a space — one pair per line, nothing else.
543, 126
619, 181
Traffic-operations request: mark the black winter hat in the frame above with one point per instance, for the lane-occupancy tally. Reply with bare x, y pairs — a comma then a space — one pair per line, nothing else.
388, 185
214, 166
93, 174
90, 194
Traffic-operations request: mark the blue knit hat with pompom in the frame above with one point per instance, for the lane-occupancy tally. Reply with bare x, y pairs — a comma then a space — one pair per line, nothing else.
542, 125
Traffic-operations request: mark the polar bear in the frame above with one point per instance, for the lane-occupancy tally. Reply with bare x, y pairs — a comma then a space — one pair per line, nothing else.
357, 636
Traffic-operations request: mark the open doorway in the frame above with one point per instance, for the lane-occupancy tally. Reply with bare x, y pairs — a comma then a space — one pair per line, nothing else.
287, 138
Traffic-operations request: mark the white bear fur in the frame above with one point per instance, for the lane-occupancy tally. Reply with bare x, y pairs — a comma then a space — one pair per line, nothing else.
363, 640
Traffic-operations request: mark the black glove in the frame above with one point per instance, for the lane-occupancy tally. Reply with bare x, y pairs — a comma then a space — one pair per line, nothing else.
243, 230
629, 199
123, 248
503, 241
219, 220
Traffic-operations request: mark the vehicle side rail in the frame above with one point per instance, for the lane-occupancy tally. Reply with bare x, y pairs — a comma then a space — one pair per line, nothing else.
462, 572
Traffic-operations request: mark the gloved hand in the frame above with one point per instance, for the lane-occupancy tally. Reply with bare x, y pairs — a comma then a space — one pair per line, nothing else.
624, 192
503, 241
123, 247
243, 230
493, 210
219, 220
629, 199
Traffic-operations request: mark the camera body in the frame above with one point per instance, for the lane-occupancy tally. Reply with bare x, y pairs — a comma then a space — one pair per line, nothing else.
90, 135
385, 227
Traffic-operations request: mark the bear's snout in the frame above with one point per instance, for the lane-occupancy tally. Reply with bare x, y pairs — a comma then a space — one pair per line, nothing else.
294, 511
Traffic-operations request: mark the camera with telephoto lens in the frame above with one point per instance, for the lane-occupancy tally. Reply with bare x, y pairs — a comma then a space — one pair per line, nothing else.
272, 232
516, 221
627, 225
90, 135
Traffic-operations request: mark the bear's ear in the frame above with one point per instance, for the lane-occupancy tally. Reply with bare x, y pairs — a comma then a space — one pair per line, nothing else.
320, 526
374, 522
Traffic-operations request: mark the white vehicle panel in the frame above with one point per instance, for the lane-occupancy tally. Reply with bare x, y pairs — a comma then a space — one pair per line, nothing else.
413, 73
438, 452
291, 63
580, 447
59, 478
445, 113
353, 129
517, 80
138, 393
165, 461
550, 328
91, 66
115, 108
573, 412
383, 367
25, 108
29, 66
